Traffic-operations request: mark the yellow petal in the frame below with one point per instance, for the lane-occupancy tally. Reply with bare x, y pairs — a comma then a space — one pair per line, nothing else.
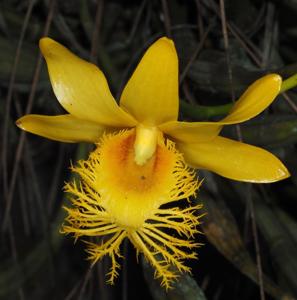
255, 99
235, 160
191, 132
64, 128
151, 94
81, 87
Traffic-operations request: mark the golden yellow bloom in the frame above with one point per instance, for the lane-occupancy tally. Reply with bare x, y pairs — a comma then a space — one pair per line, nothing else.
130, 184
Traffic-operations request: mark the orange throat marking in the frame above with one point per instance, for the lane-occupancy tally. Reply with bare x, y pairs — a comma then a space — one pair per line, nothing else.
134, 191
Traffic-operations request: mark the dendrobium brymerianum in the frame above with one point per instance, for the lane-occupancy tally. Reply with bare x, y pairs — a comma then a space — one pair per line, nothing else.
144, 156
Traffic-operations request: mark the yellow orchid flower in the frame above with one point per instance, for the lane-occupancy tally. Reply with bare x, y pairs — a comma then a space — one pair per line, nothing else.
141, 163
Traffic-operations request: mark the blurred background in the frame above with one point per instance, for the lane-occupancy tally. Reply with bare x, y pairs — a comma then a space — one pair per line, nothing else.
250, 231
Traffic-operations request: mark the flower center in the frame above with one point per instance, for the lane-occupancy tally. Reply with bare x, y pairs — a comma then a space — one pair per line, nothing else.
145, 143
131, 193
128, 190
117, 198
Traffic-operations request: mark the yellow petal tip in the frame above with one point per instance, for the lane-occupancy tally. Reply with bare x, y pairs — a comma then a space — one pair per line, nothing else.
166, 39
19, 123
275, 77
165, 42
44, 43
23, 122
285, 173
47, 46
280, 173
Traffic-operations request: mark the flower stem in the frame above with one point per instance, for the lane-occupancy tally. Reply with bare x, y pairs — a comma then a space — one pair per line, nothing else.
289, 83
202, 112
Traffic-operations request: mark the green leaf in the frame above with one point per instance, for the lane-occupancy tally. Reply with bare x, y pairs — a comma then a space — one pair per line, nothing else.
184, 288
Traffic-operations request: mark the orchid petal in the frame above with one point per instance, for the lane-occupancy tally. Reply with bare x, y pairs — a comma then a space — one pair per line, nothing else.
81, 88
234, 160
255, 99
63, 128
151, 94
191, 132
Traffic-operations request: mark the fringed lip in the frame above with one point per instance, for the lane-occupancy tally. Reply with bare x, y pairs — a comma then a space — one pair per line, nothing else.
117, 198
